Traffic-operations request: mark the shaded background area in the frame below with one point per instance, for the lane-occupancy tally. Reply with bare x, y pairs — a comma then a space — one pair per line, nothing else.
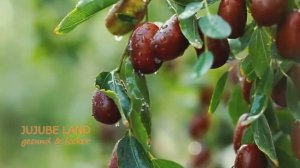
49, 80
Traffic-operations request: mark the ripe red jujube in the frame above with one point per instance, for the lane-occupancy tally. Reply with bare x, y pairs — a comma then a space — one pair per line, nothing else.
279, 93
235, 13
220, 50
104, 109
288, 35
142, 56
199, 126
239, 132
268, 12
169, 42
249, 156
295, 139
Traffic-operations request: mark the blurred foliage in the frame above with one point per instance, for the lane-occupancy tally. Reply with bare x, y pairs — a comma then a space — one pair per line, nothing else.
49, 80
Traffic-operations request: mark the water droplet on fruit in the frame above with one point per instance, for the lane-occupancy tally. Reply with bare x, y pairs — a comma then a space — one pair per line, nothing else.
164, 26
157, 61
118, 38
117, 124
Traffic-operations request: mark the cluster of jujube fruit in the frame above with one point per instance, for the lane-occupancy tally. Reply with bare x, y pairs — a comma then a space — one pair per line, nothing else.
151, 45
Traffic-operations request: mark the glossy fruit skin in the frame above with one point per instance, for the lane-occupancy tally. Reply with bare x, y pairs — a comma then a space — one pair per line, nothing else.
201, 159
268, 12
169, 43
113, 163
239, 132
249, 156
295, 139
279, 93
288, 35
104, 109
220, 50
199, 125
142, 56
235, 13
133, 8
246, 85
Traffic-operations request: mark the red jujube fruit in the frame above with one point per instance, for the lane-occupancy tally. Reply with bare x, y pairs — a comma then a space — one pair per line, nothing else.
268, 12
295, 139
142, 56
220, 50
199, 126
249, 156
169, 42
235, 13
105, 109
288, 35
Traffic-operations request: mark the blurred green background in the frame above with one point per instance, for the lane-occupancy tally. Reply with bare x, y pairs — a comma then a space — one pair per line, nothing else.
49, 80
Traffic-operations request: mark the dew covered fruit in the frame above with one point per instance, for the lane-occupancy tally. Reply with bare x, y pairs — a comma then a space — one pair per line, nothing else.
142, 56
169, 43
235, 13
104, 109
288, 35
199, 125
239, 132
268, 12
133, 9
220, 50
249, 156
295, 139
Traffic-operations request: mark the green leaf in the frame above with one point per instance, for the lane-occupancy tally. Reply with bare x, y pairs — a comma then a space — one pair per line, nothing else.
292, 98
283, 142
203, 64
110, 84
247, 137
161, 163
271, 117
263, 138
139, 129
240, 44
247, 69
191, 9
260, 51
285, 119
140, 120
214, 26
237, 105
216, 97
260, 98
131, 154
84, 10
189, 29
135, 82
286, 160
